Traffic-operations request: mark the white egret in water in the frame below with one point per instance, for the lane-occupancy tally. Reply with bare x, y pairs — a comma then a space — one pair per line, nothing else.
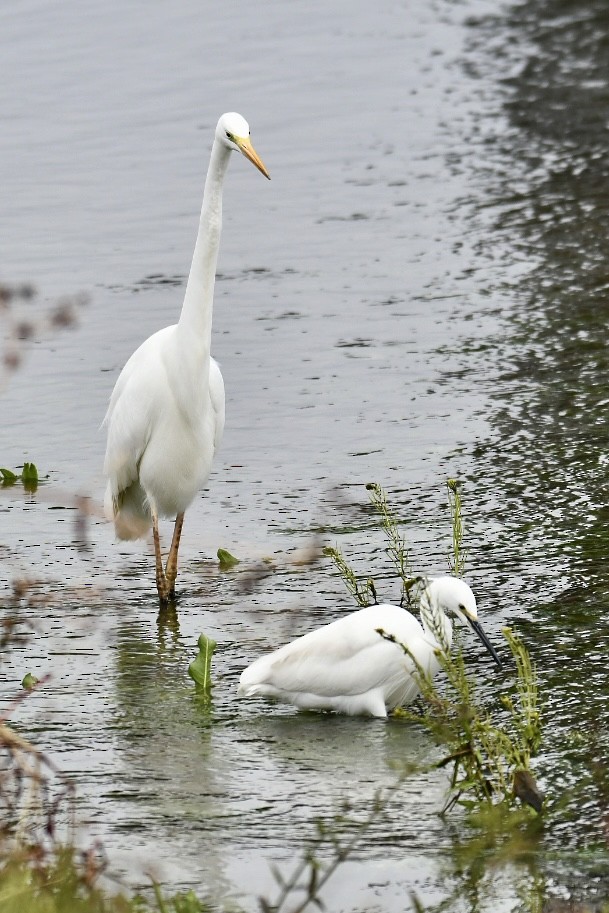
351, 667
166, 412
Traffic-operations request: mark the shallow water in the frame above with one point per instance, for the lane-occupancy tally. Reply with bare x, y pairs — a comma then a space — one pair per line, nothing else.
418, 293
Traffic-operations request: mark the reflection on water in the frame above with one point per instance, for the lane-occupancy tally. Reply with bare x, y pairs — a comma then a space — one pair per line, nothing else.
545, 460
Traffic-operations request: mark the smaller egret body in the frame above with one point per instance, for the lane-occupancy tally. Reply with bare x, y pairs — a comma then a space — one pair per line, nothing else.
349, 667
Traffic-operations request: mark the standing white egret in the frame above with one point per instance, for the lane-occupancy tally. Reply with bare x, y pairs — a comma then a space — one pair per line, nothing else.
348, 666
166, 412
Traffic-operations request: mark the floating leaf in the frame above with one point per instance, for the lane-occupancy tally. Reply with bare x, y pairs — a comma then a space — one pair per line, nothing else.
227, 561
29, 472
29, 681
29, 477
200, 668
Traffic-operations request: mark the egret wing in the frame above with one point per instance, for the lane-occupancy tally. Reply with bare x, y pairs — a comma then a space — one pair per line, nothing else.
347, 657
134, 401
216, 395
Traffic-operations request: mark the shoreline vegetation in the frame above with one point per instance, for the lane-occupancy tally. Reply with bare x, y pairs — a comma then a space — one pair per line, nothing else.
489, 746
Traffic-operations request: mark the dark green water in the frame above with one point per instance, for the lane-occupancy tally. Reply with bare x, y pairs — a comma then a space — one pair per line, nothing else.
542, 474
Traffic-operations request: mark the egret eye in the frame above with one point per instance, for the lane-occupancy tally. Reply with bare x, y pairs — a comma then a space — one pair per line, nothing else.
229, 136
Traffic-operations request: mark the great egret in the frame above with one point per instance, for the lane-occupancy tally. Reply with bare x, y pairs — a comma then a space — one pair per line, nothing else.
350, 667
166, 412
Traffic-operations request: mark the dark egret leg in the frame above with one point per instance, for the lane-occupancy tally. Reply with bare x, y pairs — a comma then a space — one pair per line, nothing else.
171, 568
161, 579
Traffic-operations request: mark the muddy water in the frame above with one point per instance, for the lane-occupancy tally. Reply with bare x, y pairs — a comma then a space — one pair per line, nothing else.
418, 293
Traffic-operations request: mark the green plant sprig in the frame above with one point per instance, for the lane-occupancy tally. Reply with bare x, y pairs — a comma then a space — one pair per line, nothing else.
396, 547
490, 758
363, 593
341, 837
28, 476
456, 558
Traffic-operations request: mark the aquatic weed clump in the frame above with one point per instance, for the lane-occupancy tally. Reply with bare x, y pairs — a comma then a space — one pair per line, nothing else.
490, 750
363, 589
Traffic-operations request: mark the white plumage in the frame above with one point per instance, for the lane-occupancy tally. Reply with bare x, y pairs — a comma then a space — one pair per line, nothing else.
166, 414
349, 667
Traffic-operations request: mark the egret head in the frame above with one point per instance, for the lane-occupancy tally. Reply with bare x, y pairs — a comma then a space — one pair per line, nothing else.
454, 597
233, 132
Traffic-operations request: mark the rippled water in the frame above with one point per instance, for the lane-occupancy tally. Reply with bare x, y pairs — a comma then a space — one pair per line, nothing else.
420, 292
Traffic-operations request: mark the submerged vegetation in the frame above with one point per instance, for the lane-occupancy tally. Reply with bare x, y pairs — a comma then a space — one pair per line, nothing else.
489, 749
484, 741
200, 668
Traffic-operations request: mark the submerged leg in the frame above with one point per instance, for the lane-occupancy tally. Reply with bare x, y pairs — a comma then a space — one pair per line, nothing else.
171, 569
161, 579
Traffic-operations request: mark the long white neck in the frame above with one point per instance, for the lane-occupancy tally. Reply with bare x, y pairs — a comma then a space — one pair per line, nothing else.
195, 319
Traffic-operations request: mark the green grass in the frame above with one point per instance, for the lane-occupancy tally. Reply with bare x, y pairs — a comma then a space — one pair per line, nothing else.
66, 881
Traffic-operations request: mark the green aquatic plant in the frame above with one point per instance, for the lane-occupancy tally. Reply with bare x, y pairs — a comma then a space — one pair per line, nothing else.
200, 668
226, 561
490, 752
396, 542
363, 589
364, 592
28, 477
456, 558
29, 681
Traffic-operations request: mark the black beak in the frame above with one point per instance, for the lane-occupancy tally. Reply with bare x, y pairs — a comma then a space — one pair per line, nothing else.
477, 628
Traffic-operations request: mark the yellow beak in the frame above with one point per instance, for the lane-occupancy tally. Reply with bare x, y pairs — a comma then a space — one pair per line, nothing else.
250, 153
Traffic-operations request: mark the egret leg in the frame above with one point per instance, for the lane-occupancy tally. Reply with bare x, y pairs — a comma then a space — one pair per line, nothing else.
171, 568
161, 579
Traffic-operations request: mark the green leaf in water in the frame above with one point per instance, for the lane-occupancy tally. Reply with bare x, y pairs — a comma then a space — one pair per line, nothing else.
227, 561
29, 681
28, 475
200, 668
29, 472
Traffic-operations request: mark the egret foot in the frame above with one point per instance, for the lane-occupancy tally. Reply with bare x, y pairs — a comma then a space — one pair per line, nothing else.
166, 595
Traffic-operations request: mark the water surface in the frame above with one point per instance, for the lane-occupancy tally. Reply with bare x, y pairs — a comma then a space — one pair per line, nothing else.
418, 293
